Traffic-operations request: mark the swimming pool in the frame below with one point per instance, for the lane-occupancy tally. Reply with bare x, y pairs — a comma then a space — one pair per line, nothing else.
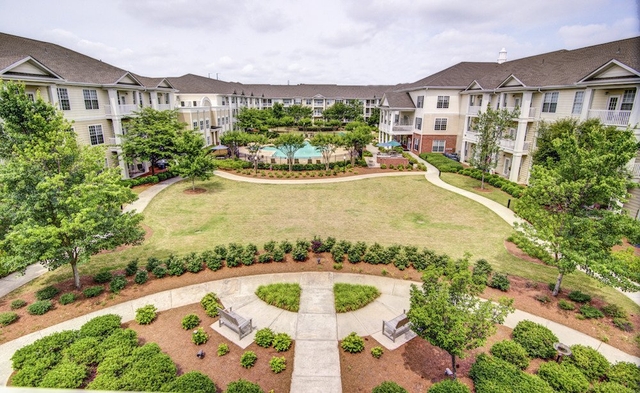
308, 151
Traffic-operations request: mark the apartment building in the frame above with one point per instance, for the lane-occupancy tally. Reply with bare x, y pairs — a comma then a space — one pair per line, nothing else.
437, 113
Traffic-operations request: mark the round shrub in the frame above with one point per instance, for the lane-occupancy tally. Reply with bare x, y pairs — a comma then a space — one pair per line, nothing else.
491, 374
141, 277
614, 311
85, 351
579, 297
30, 376
265, 258
93, 291
278, 255
117, 284
159, 271
175, 266
101, 327
190, 321
66, 375
352, 343
211, 304
278, 364
199, 336
243, 386
152, 263
500, 281
389, 387
623, 324
18, 303
248, 359
248, 257
563, 377
449, 386
40, 307
223, 349
565, 305
132, 268
590, 312
282, 342
536, 339
626, 374
270, 246
299, 253
47, 293
146, 314
511, 352
212, 260
264, 337
377, 352
589, 361
286, 246
103, 277
7, 318
193, 381
610, 387
67, 298
194, 263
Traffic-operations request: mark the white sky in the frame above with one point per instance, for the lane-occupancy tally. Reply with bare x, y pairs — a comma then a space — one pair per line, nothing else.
321, 41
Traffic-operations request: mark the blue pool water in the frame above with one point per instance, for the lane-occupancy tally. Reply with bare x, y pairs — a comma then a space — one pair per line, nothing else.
308, 151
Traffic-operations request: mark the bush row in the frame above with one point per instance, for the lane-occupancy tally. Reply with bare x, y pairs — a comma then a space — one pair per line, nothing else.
441, 162
148, 179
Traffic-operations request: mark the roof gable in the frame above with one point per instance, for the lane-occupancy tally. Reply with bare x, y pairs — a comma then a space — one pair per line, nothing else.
474, 86
128, 79
29, 67
511, 81
611, 70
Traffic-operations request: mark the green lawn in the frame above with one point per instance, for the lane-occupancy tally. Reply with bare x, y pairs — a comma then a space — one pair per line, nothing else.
473, 185
402, 210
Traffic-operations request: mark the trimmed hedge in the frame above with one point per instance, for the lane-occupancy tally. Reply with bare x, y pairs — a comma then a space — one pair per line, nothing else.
193, 381
211, 304
389, 387
101, 327
512, 352
40, 307
441, 162
243, 386
626, 374
590, 362
449, 386
7, 318
563, 377
47, 293
536, 339
491, 375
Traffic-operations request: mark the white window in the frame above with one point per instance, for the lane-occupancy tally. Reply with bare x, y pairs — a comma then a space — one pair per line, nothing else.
578, 99
440, 124
63, 99
329, 102
318, 102
166, 98
416, 143
627, 100
418, 123
207, 124
443, 102
195, 125
308, 102
438, 146
287, 101
31, 97
550, 102
95, 135
317, 112
420, 103
339, 101
195, 103
90, 99
201, 125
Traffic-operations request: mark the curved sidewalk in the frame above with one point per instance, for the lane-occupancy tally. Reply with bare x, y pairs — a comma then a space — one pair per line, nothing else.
316, 327
256, 180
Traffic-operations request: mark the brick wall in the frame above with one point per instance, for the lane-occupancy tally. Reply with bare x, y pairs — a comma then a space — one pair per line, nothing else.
426, 143
395, 161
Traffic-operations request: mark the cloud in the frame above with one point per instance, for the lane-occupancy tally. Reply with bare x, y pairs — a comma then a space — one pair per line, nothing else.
576, 36
348, 36
184, 14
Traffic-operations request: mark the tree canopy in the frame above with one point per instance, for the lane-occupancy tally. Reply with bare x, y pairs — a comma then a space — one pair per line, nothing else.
289, 144
59, 204
151, 135
233, 140
351, 111
356, 140
327, 145
491, 126
192, 160
574, 197
447, 313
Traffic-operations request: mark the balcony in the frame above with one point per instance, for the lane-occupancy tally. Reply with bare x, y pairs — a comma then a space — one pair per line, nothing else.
164, 107
611, 118
636, 170
402, 127
122, 110
505, 144
473, 110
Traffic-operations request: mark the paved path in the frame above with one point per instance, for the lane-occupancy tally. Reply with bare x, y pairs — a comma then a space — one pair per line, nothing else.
316, 328
261, 180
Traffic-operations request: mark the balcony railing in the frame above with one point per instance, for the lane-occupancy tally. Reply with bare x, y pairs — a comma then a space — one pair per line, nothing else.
532, 112
506, 144
164, 107
613, 118
122, 109
473, 110
402, 128
636, 170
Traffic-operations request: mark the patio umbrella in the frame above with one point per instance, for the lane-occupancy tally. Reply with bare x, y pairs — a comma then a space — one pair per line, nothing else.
383, 144
394, 143
219, 147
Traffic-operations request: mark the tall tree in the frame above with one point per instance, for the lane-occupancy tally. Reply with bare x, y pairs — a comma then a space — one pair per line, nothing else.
572, 202
355, 141
233, 140
298, 112
58, 203
252, 118
192, 160
351, 111
327, 145
151, 135
289, 144
277, 110
491, 126
374, 119
447, 313
254, 145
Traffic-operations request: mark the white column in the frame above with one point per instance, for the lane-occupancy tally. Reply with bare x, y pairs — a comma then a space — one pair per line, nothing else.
586, 104
516, 161
634, 117
154, 99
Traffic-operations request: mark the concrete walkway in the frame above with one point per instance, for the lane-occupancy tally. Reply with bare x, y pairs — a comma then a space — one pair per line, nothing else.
316, 328
262, 180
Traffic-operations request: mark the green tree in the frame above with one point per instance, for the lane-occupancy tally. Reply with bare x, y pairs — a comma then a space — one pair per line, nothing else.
344, 112
254, 145
192, 160
233, 140
151, 135
491, 126
252, 118
289, 144
572, 202
58, 203
447, 313
374, 118
277, 110
327, 145
298, 112
355, 141
305, 122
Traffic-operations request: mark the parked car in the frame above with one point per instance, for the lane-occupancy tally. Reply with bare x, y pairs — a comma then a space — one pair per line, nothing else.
453, 156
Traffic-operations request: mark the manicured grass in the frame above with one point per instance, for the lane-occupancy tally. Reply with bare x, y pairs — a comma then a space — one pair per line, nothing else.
394, 210
470, 184
351, 297
281, 295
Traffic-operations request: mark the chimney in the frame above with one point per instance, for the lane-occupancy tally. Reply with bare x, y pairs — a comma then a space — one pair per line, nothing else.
502, 56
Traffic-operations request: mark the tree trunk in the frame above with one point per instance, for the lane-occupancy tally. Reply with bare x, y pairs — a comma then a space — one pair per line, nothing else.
482, 182
556, 289
454, 370
193, 183
290, 164
153, 172
76, 274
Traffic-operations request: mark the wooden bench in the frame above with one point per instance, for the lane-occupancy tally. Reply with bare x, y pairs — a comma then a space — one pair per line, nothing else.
396, 327
235, 322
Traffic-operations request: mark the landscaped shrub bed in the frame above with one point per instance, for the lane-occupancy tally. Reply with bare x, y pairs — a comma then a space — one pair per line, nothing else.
350, 297
536, 339
511, 352
530, 248
281, 295
492, 375
441, 162
352, 343
162, 176
47, 293
563, 377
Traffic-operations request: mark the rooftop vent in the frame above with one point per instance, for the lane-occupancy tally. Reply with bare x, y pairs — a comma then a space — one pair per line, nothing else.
502, 56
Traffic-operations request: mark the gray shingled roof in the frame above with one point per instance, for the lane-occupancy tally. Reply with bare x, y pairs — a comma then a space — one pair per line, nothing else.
399, 100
